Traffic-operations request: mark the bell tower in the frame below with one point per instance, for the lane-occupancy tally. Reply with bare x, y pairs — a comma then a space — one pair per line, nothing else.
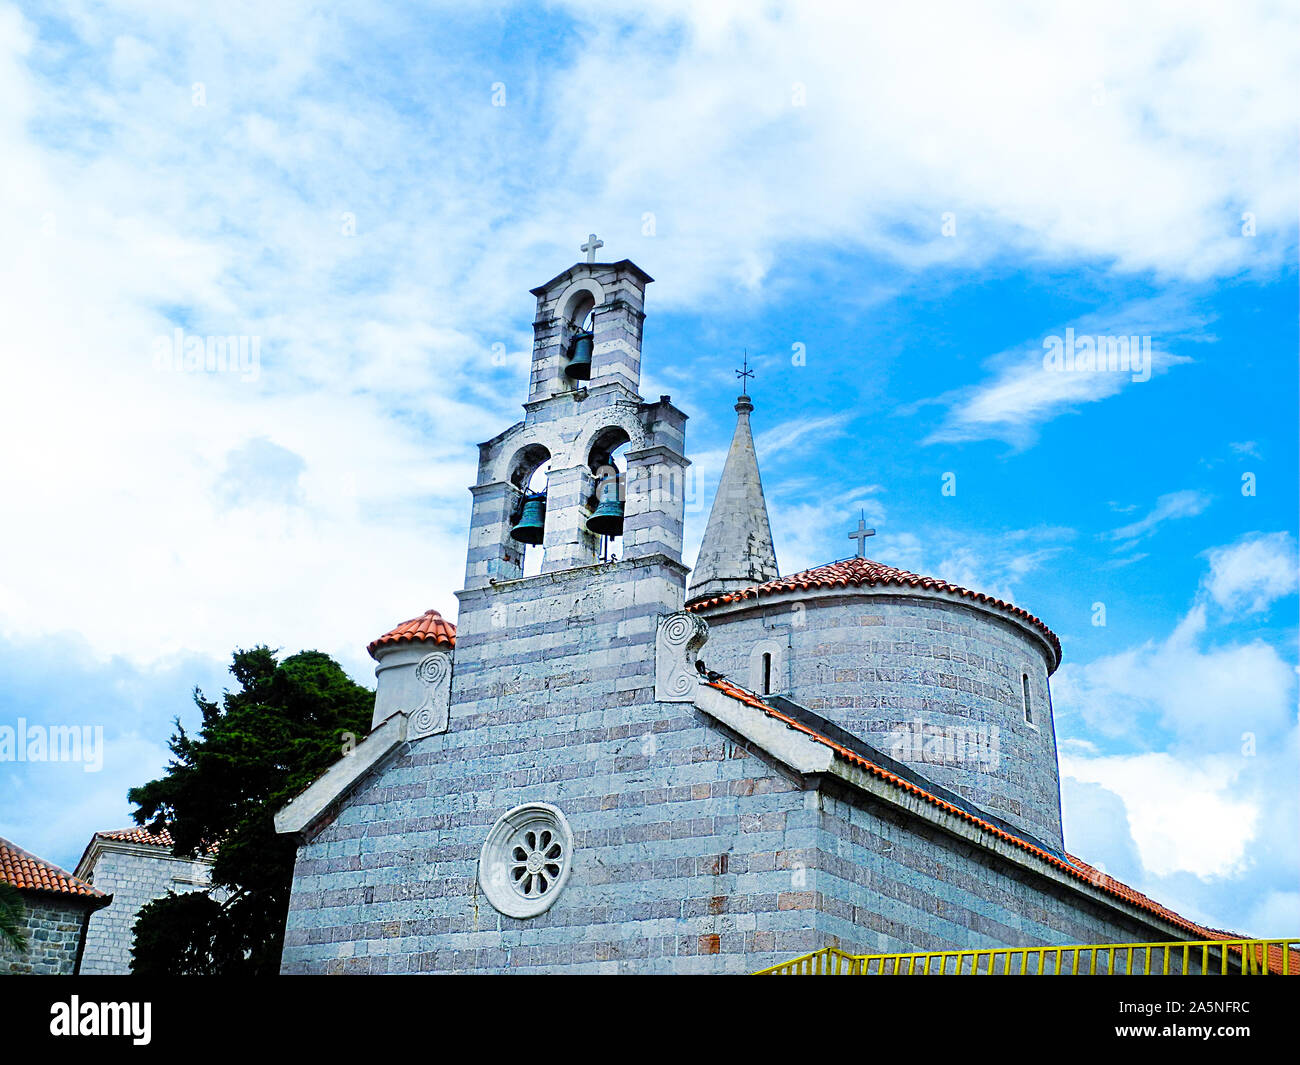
582, 409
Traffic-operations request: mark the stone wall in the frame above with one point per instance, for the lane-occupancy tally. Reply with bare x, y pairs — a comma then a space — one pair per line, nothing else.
677, 831
691, 852
53, 928
134, 875
932, 682
886, 883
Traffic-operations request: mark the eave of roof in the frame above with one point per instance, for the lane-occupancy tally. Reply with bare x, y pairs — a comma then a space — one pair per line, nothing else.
858, 572
579, 268
27, 872
1074, 867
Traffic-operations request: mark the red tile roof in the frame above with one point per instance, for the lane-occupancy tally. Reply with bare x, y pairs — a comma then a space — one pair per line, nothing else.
429, 627
162, 838
855, 572
1076, 867
30, 873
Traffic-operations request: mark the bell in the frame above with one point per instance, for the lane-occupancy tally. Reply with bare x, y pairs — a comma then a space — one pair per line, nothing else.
607, 519
579, 368
532, 520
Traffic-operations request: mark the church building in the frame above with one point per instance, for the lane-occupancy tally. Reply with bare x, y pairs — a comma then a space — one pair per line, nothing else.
614, 763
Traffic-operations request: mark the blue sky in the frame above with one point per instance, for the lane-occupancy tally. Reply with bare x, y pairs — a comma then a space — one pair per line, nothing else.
892, 211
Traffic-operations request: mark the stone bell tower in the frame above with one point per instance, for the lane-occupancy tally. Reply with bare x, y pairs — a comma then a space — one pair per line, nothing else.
582, 407
574, 423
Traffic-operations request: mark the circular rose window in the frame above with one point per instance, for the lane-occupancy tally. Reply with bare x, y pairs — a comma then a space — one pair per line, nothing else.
526, 860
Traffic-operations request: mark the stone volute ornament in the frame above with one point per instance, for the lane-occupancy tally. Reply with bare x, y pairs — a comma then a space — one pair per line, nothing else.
413, 675
677, 646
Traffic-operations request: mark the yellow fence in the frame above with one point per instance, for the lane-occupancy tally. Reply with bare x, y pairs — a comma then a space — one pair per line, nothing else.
1207, 957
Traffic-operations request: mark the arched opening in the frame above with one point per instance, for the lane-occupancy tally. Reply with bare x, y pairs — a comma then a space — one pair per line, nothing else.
526, 529
1024, 688
607, 503
767, 664
576, 339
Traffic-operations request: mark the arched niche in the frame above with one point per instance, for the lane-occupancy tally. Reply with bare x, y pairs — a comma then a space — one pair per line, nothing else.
578, 301
767, 667
607, 483
525, 463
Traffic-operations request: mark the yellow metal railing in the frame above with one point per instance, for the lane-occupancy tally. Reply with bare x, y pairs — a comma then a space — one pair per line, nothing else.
1204, 957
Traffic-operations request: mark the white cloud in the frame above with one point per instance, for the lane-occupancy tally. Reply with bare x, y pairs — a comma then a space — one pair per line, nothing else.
1184, 816
1172, 505
129, 211
1033, 132
1022, 392
1248, 576
993, 565
1201, 692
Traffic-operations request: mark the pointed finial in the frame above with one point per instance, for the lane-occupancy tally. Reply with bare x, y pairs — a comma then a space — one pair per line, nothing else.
743, 405
745, 374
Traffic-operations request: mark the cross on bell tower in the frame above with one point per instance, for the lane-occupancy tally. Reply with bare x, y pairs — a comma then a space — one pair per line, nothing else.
861, 533
573, 426
591, 246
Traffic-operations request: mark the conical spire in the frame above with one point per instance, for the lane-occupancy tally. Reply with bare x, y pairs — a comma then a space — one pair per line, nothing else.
737, 549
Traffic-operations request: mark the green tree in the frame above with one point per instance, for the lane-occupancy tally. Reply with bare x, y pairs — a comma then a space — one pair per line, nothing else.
11, 919
288, 722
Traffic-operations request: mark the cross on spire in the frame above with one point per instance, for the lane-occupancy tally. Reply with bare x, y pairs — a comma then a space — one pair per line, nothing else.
591, 246
861, 533
745, 374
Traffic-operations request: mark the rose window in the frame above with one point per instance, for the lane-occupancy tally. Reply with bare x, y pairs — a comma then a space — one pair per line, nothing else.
526, 860
535, 862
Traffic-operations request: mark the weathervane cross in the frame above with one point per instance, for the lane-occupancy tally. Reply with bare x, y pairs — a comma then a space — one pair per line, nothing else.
861, 533
746, 373
591, 246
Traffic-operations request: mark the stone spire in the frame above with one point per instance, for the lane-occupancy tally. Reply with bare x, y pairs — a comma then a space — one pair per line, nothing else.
737, 549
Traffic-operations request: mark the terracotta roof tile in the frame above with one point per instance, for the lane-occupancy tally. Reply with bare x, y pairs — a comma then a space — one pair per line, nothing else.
430, 626
1075, 867
855, 572
30, 873
143, 836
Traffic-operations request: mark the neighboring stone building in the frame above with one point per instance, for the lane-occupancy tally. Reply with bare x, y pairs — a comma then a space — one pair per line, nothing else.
56, 907
592, 772
135, 866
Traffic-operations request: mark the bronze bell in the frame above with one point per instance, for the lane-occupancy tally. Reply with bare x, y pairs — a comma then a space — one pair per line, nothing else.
532, 520
607, 519
579, 367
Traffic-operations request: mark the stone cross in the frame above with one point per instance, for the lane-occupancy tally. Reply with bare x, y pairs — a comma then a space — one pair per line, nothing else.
591, 246
861, 533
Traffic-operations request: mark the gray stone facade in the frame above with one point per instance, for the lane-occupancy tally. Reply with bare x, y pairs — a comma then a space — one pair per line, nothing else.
888, 884
53, 925
134, 874
709, 833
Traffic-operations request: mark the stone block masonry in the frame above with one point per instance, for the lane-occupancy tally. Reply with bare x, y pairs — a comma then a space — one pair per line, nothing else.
134, 875
53, 928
